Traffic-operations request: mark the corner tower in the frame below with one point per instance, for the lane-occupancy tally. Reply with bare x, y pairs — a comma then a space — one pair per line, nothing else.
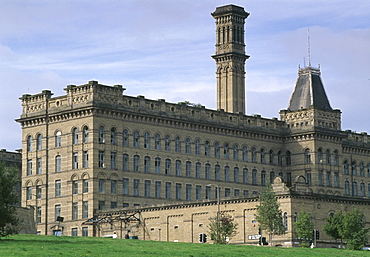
230, 58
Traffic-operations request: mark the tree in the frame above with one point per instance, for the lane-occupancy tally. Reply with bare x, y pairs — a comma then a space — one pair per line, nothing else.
353, 230
269, 215
223, 229
333, 224
8, 199
304, 227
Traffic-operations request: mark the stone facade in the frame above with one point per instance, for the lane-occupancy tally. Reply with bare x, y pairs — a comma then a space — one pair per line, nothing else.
95, 149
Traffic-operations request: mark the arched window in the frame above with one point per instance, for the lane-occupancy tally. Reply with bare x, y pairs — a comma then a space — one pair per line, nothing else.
245, 154
295, 217
29, 143
263, 178
167, 142
113, 136
235, 152
207, 148
327, 156
263, 156
157, 142
178, 168
136, 163
254, 177
157, 165
336, 157
101, 134
146, 140
319, 156
197, 169
146, 164
227, 173
217, 149
39, 142
307, 156
245, 176
345, 167
58, 163
217, 172
207, 171
167, 168
187, 146
188, 169
354, 188
346, 187
353, 166
177, 145
280, 159
236, 174
85, 133
75, 136
288, 158
362, 189
58, 139
226, 151
271, 155
254, 154
285, 220
197, 147
136, 139
125, 137
362, 172
272, 177
125, 162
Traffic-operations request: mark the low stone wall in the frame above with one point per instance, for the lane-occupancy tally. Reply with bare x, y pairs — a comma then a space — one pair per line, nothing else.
27, 220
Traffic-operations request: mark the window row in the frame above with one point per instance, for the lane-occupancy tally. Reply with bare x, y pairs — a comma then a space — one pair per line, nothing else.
320, 156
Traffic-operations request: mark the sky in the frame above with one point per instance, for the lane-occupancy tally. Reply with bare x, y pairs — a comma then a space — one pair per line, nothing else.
162, 49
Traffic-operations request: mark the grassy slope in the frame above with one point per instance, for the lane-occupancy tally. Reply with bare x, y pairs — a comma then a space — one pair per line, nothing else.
32, 245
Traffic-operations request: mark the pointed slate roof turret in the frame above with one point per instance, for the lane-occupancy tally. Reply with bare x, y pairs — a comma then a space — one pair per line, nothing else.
309, 91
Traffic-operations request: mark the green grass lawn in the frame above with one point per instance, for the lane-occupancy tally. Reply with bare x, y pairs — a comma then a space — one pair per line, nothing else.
33, 245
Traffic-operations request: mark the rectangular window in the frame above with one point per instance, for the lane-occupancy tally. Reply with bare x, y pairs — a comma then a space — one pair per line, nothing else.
75, 187
198, 193
147, 164
58, 163
136, 187
86, 186
113, 160
85, 209
208, 192
29, 193
38, 215
113, 205
75, 161
58, 188
39, 166
245, 192
101, 188
245, 176
38, 192
158, 189
320, 179
188, 169
29, 167
125, 186
309, 178
178, 168
168, 190
86, 159
188, 192
74, 211
178, 191
217, 172
167, 169
74, 232
57, 211
113, 186
208, 171
227, 192
147, 188
236, 192
85, 231
101, 205
236, 175
101, 159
